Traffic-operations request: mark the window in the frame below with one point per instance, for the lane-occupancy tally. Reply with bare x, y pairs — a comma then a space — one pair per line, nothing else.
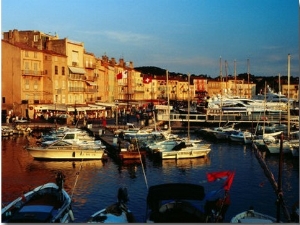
3, 99
35, 68
63, 70
63, 84
56, 84
26, 84
75, 57
35, 38
35, 86
26, 53
26, 67
35, 54
56, 70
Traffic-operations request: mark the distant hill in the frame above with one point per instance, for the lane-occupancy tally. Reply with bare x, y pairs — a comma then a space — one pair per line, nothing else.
151, 70
273, 81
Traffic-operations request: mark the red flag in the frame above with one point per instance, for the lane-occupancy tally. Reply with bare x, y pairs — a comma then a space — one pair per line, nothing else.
122, 75
147, 79
222, 175
119, 76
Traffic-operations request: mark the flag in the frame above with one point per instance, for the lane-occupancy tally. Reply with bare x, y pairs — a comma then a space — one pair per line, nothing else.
122, 75
147, 79
228, 175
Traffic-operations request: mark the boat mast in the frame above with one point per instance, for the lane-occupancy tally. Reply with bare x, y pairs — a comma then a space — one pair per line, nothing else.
279, 88
248, 73
189, 106
235, 78
265, 107
226, 75
288, 96
221, 82
168, 97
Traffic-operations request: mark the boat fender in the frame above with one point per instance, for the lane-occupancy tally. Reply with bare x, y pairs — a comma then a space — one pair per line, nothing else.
71, 214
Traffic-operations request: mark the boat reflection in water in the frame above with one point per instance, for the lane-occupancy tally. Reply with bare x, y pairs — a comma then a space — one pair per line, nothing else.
186, 163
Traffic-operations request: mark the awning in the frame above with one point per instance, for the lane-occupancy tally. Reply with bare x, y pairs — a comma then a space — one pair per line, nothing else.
77, 70
91, 83
96, 107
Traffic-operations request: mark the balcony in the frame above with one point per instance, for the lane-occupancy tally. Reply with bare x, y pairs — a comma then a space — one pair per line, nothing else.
77, 77
90, 66
91, 90
35, 73
76, 89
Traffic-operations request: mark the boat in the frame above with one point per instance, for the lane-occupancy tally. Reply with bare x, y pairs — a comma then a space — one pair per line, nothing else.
131, 153
251, 216
76, 137
144, 134
186, 150
115, 213
294, 143
183, 202
244, 137
6, 131
63, 150
130, 129
274, 148
295, 150
48, 203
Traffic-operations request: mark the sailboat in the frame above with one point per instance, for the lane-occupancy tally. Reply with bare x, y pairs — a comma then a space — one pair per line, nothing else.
187, 148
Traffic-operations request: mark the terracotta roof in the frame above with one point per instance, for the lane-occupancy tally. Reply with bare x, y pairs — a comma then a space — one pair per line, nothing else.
24, 46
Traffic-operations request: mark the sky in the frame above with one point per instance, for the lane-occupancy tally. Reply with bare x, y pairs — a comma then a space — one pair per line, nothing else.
182, 36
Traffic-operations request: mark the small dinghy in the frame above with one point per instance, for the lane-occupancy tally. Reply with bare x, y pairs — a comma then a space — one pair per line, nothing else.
48, 203
115, 213
251, 216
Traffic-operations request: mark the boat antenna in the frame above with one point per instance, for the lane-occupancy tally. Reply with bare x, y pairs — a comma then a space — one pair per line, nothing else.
143, 168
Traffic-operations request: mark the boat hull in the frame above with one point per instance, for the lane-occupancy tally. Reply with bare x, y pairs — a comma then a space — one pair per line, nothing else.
251, 216
66, 154
42, 205
184, 154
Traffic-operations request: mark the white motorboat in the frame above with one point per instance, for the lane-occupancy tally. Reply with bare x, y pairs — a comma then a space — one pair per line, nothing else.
142, 134
64, 150
244, 137
77, 137
186, 150
250, 216
48, 203
115, 213
274, 148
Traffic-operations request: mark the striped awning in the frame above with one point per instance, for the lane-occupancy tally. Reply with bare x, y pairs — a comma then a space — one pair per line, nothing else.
77, 70
91, 83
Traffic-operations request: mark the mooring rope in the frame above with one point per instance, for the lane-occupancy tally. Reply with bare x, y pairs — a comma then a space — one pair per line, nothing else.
77, 175
143, 168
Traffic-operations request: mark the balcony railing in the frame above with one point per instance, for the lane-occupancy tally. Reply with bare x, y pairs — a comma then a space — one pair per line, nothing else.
77, 77
32, 73
91, 90
76, 89
93, 66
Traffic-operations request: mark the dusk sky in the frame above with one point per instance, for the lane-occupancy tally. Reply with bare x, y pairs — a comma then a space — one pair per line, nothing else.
182, 36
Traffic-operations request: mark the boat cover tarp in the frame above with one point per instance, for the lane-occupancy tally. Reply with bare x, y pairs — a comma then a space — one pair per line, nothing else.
175, 191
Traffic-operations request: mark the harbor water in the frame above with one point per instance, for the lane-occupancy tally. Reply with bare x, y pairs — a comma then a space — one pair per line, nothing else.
93, 185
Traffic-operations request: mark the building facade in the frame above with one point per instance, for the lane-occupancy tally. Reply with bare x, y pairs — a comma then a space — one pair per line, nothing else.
39, 69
